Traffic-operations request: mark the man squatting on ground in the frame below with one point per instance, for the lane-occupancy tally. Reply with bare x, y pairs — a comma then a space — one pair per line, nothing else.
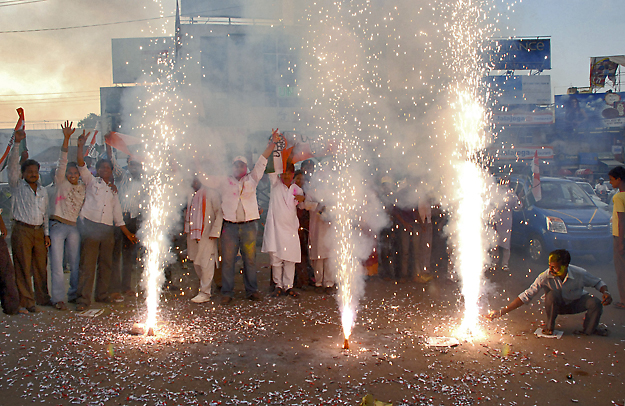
30, 236
202, 224
564, 294
240, 214
98, 218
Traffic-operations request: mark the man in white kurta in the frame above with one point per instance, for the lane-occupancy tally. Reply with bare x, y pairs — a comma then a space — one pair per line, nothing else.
281, 239
320, 245
203, 221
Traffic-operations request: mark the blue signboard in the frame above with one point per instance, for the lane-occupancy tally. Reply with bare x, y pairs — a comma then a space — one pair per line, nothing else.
586, 111
520, 54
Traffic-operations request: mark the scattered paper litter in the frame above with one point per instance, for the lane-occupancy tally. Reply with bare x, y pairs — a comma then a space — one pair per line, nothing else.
442, 342
90, 313
556, 333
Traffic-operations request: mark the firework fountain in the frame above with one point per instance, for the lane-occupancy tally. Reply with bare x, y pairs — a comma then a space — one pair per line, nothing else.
379, 73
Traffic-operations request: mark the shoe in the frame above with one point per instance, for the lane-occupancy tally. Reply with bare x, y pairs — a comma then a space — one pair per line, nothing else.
329, 290
423, 278
60, 306
201, 298
255, 297
278, 292
22, 310
225, 300
32, 309
619, 305
291, 292
602, 330
81, 307
116, 297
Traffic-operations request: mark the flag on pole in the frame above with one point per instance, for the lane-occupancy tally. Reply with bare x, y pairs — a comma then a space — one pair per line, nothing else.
21, 125
536, 190
91, 145
121, 141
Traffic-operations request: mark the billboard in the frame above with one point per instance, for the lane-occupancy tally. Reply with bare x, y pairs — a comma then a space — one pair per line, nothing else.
261, 9
138, 59
535, 89
541, 117
520, 54
544, 152
604, 67
590, 111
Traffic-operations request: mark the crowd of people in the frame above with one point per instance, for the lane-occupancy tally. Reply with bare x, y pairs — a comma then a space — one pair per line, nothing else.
89, 221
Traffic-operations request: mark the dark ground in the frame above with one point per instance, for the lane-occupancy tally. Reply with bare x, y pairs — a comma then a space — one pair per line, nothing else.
288, 351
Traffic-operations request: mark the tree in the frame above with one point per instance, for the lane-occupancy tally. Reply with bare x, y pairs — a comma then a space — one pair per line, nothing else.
89, 122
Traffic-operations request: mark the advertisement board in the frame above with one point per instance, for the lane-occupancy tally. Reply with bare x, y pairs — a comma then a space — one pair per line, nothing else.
544, 152
535, 89
590, 111
137, 59
262, 9
523, 118
520, 54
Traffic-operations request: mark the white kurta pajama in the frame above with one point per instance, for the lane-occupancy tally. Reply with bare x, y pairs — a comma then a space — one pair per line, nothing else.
281, 239
203, 251
321, 251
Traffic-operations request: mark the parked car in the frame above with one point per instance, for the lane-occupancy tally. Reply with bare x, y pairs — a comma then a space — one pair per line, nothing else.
587, 187
566, 217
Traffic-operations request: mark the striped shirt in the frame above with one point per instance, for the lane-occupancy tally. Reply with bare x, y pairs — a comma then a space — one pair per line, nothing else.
29, 206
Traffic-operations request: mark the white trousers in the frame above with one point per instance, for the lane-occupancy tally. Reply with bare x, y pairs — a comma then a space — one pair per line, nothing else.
205, 275
323, 273
283, 272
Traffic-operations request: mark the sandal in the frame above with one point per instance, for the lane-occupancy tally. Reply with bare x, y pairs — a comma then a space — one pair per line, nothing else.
619, 305
602, 331
292, 293
278, 292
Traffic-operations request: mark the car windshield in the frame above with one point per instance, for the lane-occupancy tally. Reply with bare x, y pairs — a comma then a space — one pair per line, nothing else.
563, 195
587, 188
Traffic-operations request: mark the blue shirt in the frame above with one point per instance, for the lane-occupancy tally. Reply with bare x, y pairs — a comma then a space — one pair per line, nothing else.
572, 286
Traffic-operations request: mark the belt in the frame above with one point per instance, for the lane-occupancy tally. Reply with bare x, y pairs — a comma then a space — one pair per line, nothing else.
239, 222
21, 223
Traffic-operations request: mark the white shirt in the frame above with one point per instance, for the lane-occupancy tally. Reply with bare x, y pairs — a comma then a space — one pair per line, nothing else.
130, 189
572, 286
68, 199
29, 206
244, 190
281, 236
101, 203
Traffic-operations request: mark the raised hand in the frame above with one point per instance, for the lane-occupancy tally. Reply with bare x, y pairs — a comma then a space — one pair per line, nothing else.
19, 136
67, 129
82, 139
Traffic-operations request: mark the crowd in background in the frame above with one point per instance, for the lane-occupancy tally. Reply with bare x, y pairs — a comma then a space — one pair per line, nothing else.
87, 219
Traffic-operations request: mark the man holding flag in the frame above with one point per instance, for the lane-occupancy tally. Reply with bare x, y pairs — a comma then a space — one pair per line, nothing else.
30, 237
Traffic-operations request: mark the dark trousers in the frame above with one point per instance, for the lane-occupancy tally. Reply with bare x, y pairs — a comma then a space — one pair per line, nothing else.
9, 296
124, 256
96, 251
30, 257
555, 305
235, 237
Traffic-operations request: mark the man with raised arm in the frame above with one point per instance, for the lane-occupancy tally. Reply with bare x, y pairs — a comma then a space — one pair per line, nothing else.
30, 236
240, 214
64, 235
131, 196
565, 294
98, 218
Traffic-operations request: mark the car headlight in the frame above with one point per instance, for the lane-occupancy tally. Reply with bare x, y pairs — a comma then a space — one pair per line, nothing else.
556, 225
